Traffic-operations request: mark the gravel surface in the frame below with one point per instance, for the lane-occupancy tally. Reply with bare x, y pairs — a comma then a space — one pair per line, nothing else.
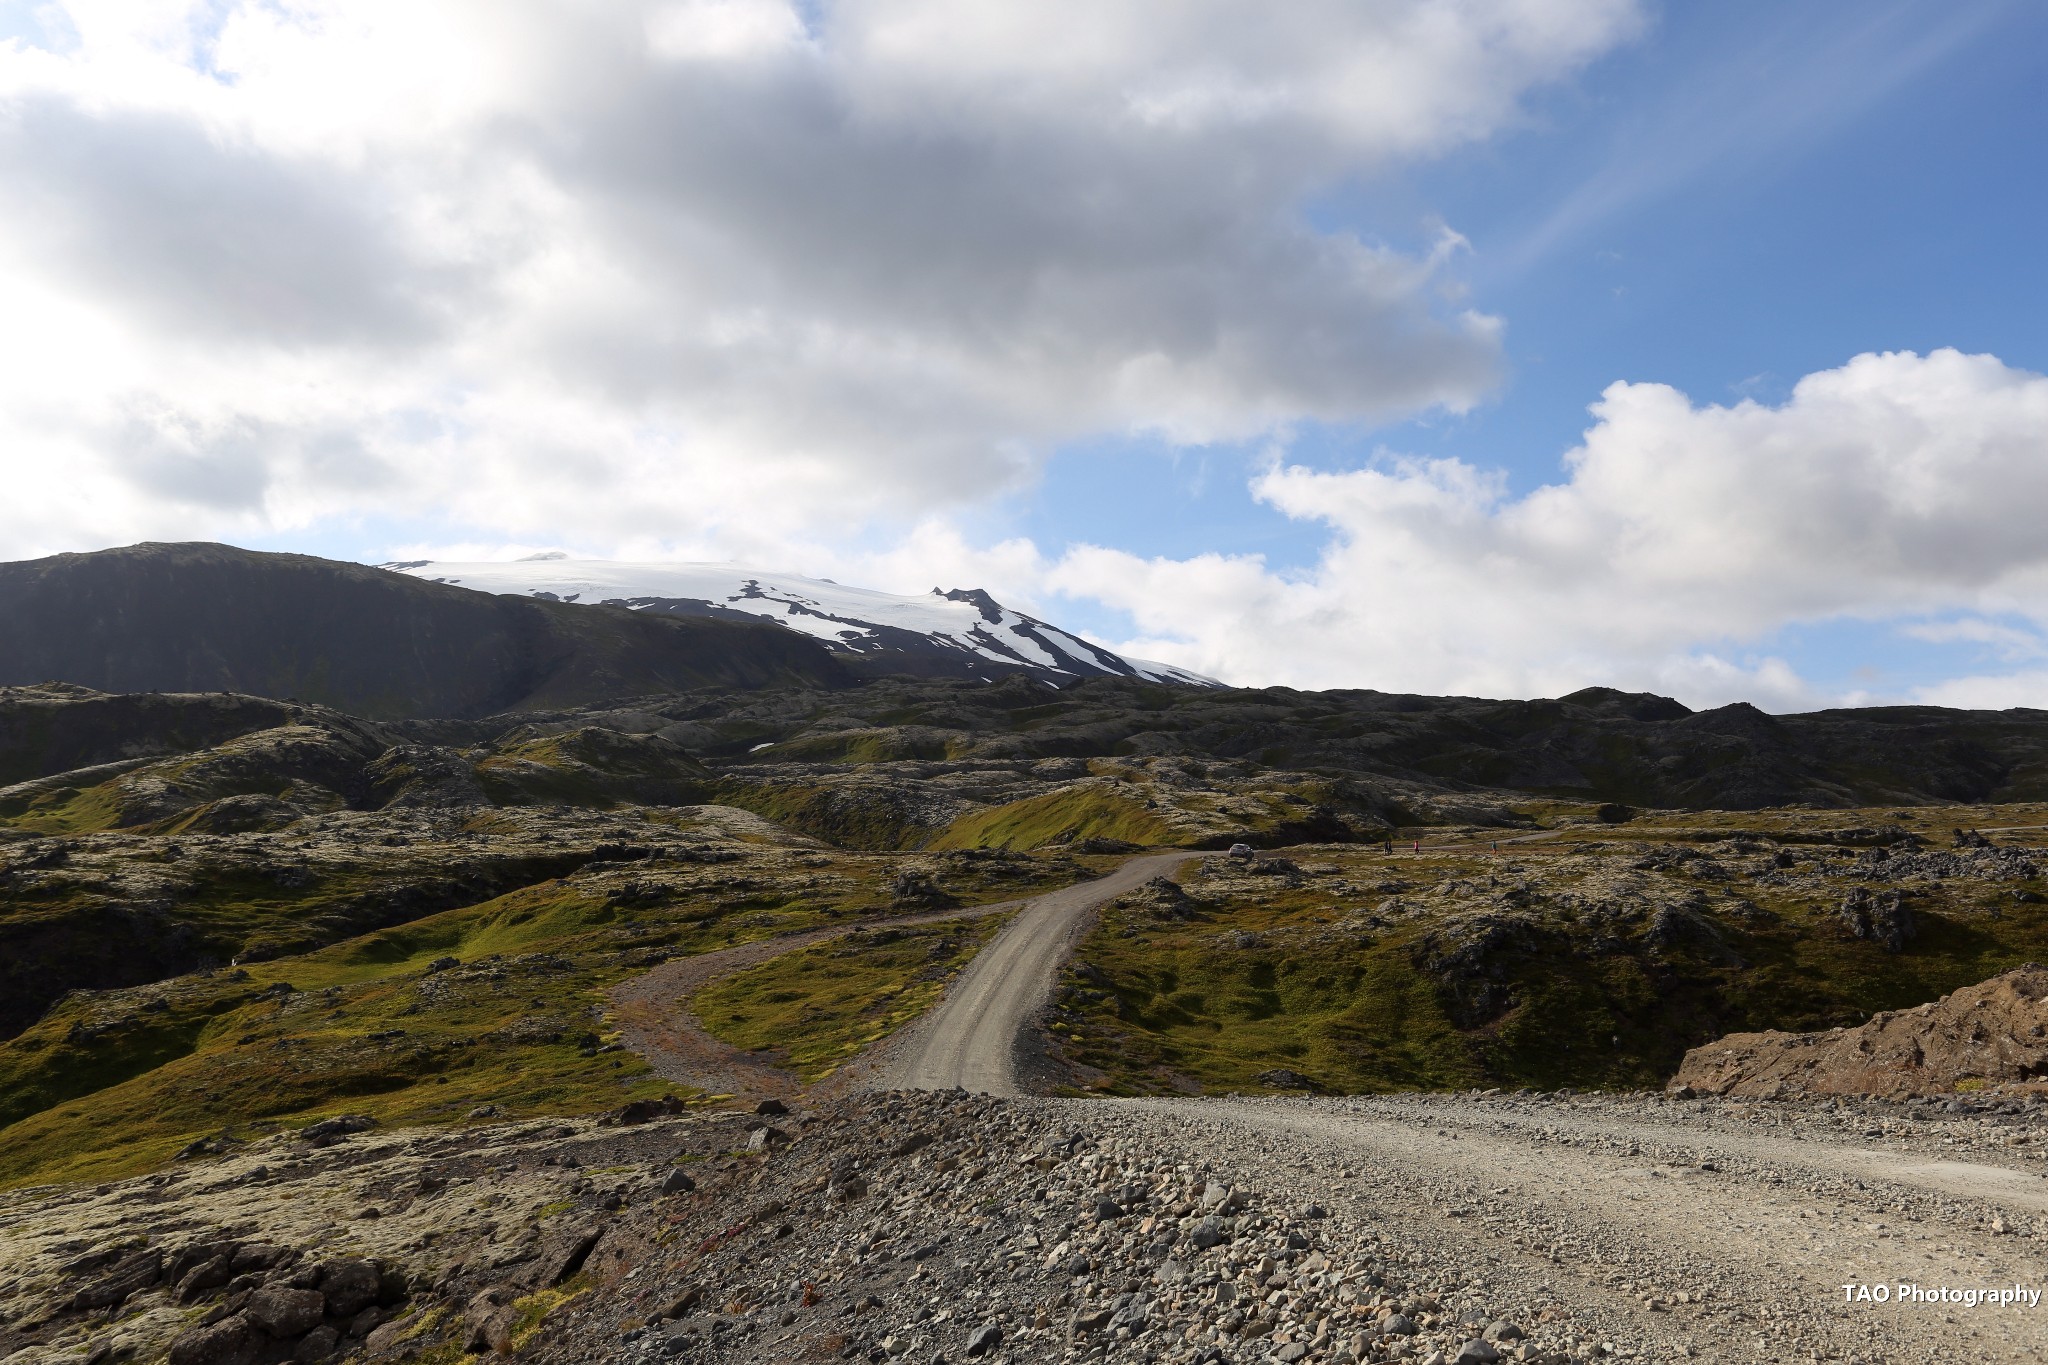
943, 1226
976, 1038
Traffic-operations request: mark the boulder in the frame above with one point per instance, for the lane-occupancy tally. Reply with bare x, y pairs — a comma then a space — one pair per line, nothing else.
131, 1275
285, 1312
349, 1286
232, 1341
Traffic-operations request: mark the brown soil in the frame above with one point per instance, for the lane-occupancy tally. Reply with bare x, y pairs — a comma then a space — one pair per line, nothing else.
1991, 1034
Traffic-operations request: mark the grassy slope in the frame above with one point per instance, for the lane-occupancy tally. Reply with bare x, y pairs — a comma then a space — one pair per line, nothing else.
817, 1007
117, 1082
1069, 814
1187, 1009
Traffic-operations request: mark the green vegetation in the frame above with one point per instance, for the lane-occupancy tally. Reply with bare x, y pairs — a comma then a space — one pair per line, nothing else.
500, 1004
814, 1008
1064, 816
1567, 963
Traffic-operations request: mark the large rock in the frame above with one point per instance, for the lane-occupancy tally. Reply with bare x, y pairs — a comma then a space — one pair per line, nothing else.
349, 1286
1993, 1033
130, 1276
284, 1312
232, 1341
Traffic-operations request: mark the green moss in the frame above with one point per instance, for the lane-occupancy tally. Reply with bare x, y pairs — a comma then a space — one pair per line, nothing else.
1064, 816
815, 1008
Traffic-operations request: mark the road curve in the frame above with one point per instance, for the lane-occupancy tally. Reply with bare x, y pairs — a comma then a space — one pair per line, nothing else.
971, 1040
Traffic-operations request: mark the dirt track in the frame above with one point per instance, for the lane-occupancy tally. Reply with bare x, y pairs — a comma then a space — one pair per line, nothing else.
969, 1041
1756, 1214
972, 1040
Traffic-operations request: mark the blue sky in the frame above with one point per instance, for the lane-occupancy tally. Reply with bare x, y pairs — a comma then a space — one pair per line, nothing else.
1250, 339
1750, 193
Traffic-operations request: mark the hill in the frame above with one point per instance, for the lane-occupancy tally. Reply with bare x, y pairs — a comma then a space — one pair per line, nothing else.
206, 618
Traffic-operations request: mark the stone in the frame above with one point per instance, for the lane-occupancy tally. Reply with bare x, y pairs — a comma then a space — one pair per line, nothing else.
560, 1255
232, 1341
388, 1336
1476, 1352
326, 1132
771, 1108
1397, 1325
284, 1312
317, 1344
490, 1318
366, 1322
1107, 1210
1500, 1329
765, 1137
1209, 1233
984, 1339
678, 1182
131, 1275
213, 1274
349, 1286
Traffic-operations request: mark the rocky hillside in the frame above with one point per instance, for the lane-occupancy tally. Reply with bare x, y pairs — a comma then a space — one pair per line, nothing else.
199, 617
1990, 1036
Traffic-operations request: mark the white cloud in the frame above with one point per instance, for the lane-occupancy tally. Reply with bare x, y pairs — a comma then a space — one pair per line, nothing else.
1989, 692
1896, 487
705, 272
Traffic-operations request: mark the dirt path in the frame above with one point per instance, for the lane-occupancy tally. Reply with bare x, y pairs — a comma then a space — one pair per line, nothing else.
967, 1041
1608, 1204
972, 1039
655, 1019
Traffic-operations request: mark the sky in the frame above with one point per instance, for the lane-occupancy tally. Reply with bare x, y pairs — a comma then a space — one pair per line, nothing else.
1427, 345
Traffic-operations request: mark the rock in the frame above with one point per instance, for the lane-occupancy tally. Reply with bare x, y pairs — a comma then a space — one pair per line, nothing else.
490, 1318
317, 1344
366, 1322
1995, 1032
327, 1132
771, 1108
1107, 1210
387, 1337
284, 1312
1209, 1233
1879, 916
642, 1111
1475, 1352
984, 1339
1398, 1325
232, 1341
913, 1143
200, 1278
349, 1286
766, 1137
254, 1256
678, 1182
131, 1275
1280, 1078
1500, 1329
561, 1254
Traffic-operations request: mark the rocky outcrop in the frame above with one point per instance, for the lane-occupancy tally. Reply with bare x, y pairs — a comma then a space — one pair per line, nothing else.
1991, 1034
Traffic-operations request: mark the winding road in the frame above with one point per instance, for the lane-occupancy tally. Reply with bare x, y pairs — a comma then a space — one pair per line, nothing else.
973, 1040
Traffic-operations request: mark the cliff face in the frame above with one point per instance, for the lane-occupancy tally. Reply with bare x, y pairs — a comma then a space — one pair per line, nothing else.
203, 618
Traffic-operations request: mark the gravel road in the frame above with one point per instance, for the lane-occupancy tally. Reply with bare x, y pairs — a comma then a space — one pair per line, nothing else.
973, 1040
1682, 1227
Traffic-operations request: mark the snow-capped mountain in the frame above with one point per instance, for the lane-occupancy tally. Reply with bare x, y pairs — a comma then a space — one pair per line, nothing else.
962, 633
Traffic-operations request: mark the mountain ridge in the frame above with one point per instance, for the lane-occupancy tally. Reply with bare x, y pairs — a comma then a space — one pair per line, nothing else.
959, 632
